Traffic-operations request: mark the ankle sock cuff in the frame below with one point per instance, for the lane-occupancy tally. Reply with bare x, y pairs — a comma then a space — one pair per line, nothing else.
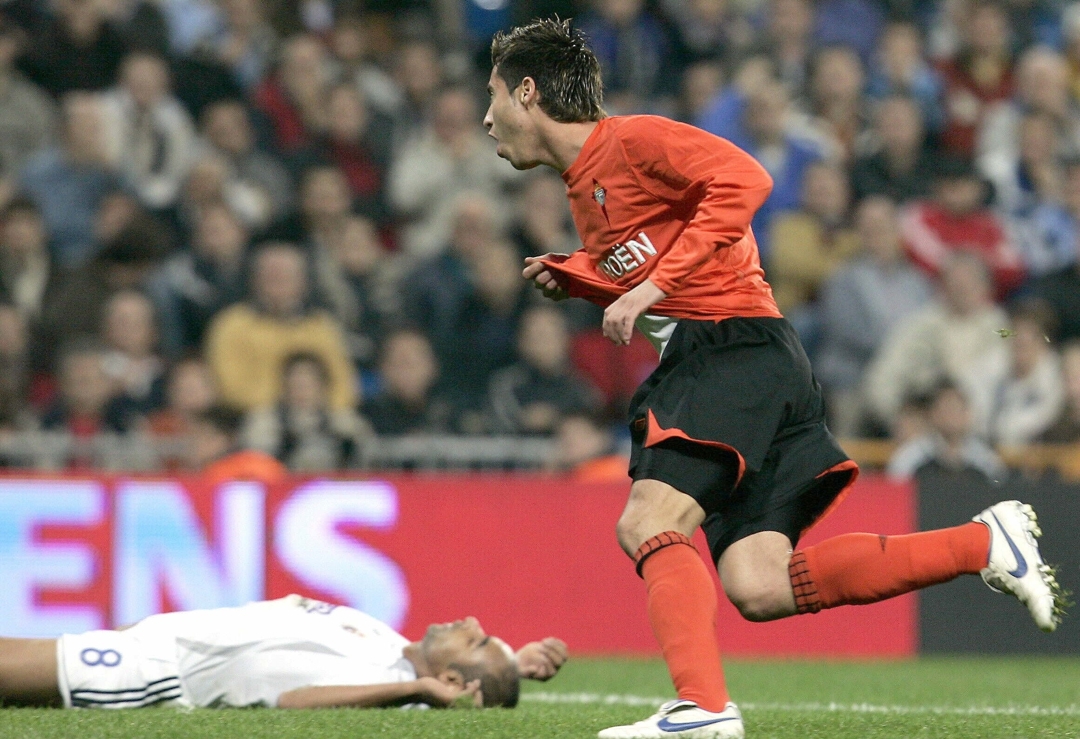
806, 594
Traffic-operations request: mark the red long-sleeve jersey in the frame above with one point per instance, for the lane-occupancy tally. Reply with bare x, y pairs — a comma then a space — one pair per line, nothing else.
653, 198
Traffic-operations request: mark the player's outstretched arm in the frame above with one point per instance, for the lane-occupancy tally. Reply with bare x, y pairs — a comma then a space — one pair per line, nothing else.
28, 672
540, 660
427, 690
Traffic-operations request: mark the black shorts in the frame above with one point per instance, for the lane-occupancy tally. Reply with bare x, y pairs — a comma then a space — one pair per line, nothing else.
734, 418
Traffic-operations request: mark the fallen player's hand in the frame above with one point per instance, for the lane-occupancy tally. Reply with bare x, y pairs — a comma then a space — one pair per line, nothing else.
540, 660
620, 316
436, 693
543, 278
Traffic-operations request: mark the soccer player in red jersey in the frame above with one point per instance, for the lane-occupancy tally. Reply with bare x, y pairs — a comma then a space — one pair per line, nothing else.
729, 432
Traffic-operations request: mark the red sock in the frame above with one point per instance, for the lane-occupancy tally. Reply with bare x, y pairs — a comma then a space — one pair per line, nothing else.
864, 568
682, 611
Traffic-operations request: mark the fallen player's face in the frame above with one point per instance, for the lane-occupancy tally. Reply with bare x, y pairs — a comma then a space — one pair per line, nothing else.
462, 643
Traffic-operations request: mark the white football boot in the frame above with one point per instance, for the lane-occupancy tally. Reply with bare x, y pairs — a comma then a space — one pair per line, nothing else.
1015, 565
683, 719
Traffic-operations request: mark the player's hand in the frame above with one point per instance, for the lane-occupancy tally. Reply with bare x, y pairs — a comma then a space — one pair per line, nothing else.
543, 278
436, 693
540, 660
620, 316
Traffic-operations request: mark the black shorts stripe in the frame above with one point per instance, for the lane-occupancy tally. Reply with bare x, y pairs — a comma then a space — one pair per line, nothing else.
173, 687
143, 703
131, 690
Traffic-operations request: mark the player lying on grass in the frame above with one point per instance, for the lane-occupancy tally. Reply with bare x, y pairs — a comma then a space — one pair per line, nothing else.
288, 653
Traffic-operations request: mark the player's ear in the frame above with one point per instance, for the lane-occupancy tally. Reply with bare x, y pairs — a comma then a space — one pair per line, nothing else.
451, 676
527, 90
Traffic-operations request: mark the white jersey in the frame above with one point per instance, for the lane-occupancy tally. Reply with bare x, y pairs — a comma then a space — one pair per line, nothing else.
245, 656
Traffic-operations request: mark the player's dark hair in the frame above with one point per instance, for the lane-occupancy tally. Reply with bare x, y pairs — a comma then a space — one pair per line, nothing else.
500, 685
558, 58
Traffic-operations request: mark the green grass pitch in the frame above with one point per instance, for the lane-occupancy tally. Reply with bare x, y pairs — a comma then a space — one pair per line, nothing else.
981, 698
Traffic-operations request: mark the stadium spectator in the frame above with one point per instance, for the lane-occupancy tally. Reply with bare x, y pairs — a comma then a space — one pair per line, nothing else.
194, 285
958, 219
140, 23
408, 402
451, 156
1044, 223
950, 445
76, 306
189, 390
353, 277
258, 185
837, 102
787, 41
69, 182
939, 342
979, 77
25, 268
1016, 390
354, 145
87, 403
214, 450
856, 24
149, 136
633, 48
350, 42
902, 167
302, 431
1029, 174
130, 335
901, 70
701, 83
28, 117
293, 98
542, 224
707, 30
532, 395
585, 449
861, 303
763, 133
76, 48
15, 414
1042, 79
1066, 427
1056, 231
418, 72
247, 343
244, 42
325, 205
809, 244
435, 295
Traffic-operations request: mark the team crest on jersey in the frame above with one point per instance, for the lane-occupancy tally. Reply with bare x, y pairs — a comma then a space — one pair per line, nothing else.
600, 196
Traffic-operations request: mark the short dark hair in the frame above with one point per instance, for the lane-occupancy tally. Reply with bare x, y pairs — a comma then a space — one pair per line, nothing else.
500, 686
226, 419
558, 58
298, 358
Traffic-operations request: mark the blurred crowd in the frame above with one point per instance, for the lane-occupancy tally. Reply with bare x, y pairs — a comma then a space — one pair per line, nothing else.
290, 208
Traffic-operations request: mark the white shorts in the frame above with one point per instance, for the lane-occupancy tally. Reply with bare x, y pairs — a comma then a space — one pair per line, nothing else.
120, 669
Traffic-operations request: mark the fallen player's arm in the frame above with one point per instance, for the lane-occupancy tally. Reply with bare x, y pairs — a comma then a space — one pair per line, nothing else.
540, 660
422, 690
